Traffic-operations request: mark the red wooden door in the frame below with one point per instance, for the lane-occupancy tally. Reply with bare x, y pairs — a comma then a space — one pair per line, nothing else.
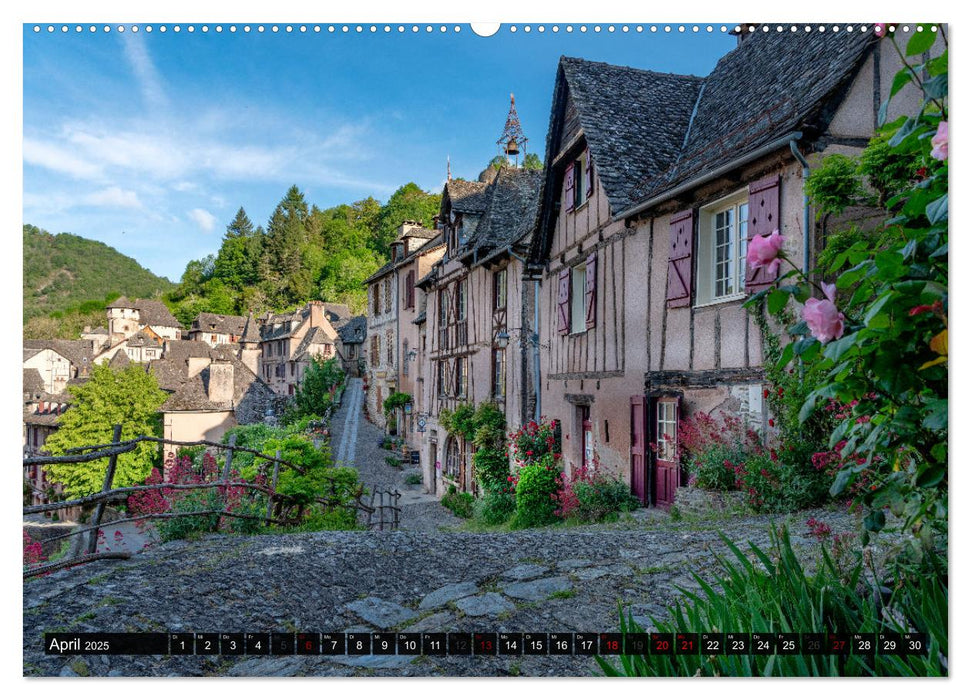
666, 468
638, 448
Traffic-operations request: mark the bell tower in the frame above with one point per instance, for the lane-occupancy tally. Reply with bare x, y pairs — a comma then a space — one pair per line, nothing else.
513, 140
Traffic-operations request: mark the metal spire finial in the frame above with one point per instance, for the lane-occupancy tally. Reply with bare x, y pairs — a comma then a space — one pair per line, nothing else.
513, 139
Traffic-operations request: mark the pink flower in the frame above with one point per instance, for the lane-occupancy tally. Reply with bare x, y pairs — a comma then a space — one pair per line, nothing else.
939, 142
764, 250
824, 319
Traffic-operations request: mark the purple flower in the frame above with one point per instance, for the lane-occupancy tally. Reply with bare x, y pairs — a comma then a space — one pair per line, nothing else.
939, 142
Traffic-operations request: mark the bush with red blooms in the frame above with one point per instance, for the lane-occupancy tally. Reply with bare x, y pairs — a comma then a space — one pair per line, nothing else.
535, 440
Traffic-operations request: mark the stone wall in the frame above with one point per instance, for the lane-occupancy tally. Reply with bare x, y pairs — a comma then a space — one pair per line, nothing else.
693, 501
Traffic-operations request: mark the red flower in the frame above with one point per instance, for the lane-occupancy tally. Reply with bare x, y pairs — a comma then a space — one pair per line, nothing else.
765, 393
774, 455
771, 423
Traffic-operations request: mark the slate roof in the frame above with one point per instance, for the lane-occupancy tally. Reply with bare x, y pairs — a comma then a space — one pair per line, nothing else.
219, 323
251, 331
150, 312
784, 80
380, 272
337, 314
142, 340
354, 331
466, 196
315, 336
191, 393
77, 352
155, 313
633, 120
511, 214
33, 382
119, 360
420, 232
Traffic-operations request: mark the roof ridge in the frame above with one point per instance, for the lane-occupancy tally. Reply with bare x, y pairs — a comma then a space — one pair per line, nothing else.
576, 59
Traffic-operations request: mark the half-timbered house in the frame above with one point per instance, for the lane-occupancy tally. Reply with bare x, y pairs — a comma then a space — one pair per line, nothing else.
654, 185
479, 319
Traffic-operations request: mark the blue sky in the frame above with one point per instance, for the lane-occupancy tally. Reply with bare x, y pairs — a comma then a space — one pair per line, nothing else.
150, 142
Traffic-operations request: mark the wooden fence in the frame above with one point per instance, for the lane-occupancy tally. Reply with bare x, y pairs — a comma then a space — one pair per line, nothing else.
281, 509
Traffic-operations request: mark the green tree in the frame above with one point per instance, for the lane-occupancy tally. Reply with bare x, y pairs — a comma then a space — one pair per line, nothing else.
532, 162
235, 265
409, 202
313, 396
129, 397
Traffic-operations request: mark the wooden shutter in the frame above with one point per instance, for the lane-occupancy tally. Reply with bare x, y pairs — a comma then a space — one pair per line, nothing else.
679, 259
589, 173
570, 186
591, 290
563, 301
763, 219
410, 290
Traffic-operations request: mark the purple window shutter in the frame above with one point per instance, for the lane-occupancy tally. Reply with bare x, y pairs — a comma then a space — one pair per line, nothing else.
679, 259
589, 173
570, 187
763, 219
563, 301
591, 290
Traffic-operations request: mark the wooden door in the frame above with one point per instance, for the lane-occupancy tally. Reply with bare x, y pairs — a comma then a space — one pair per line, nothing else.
638, 448
666, 468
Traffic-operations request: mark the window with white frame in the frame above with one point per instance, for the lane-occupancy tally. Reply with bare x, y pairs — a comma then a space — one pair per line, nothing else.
461, 377
578, 296
667, 429
722, 244
498, 373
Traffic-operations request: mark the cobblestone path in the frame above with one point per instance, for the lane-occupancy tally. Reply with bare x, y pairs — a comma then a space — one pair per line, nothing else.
544, 580
358, 445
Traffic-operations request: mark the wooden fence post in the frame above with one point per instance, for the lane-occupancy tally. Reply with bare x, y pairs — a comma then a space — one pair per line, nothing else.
269, 500
229, 458
99, 510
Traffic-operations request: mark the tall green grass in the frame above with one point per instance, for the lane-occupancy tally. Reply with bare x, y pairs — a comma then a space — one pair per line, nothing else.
773, 592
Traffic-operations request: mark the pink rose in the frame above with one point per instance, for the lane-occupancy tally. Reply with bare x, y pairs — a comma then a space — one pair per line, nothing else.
939, 142
764, 251
825, 321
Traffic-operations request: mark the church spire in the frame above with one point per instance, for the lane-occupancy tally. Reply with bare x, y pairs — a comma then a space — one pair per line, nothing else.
512, 140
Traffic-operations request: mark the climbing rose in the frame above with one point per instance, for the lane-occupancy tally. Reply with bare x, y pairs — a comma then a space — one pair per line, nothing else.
825, 321
764, 250
939, 142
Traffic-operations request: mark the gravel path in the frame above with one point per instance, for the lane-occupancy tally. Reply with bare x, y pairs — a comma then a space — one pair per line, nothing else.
358, 444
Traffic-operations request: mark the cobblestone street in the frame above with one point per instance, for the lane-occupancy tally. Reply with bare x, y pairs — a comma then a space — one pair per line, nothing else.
357, 443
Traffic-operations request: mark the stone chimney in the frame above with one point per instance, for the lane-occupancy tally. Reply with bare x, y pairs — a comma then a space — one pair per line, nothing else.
316, 314
197, 364
220, 381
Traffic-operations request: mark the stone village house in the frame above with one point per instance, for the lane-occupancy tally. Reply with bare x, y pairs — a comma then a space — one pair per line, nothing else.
289, 342
350, 347
654, 184
393, 302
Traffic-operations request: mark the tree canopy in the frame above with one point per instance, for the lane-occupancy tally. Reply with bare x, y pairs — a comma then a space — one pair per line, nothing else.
129, 397
303, 253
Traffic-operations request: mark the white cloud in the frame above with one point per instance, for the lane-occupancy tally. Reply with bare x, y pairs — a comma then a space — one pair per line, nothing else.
54, 156
144, 69
113, 197
203, 219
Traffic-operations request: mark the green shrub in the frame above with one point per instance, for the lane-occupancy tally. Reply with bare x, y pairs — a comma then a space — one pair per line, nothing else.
413, 479
833, 185
393, 461
458, 503
495, 507
491, 469
489, 426
536, 493
190, 527
712, 469
602, 497
396, 400
772, 592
